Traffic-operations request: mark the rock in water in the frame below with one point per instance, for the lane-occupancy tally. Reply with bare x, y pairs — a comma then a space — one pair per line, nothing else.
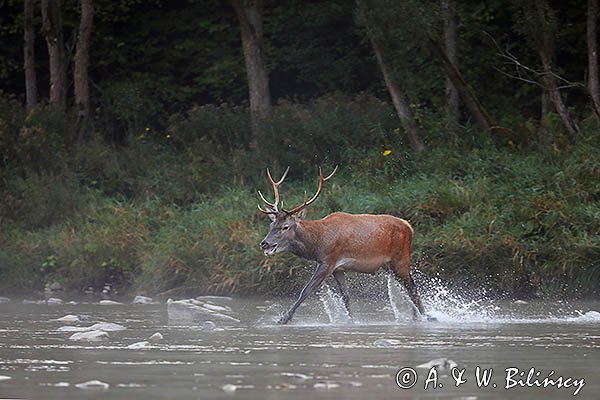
156, 337
439, 363
54, 301
192, 311
68, 318
107, 327
4, 300
229, 388
95, 385
143, 300
89, 336
109, 302
139, 345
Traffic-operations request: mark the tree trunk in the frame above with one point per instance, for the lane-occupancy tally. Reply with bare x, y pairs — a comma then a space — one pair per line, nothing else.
80, 69
400, 102
592, 50
471, 102
545, 49
249, 14
451, 45
56, 52
29, 54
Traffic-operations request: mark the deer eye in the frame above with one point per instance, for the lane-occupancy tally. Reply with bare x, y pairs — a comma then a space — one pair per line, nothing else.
285, 227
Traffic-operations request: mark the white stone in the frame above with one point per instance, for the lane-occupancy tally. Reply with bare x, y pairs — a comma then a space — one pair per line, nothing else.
5, 378
107, 327
194, 311
54, 301
143, 300
139, 345
229, 388
156, 337
95, 384
109, 302
69, 328
68, 318
89, 336
4, 300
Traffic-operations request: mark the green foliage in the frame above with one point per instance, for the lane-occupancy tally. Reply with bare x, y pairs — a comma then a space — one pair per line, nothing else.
161, 212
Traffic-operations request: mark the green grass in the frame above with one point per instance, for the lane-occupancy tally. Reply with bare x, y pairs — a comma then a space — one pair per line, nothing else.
152, 214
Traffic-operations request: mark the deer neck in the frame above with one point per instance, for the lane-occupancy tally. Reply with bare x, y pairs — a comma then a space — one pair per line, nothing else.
308, 238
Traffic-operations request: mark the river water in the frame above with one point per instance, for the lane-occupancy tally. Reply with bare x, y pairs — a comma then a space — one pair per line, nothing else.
320, 354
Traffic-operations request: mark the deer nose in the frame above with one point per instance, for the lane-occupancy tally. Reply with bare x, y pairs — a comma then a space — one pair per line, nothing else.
264, 244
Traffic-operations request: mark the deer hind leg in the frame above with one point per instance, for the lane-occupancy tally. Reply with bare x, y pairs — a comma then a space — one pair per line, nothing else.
401, 271
340, 279
315, 281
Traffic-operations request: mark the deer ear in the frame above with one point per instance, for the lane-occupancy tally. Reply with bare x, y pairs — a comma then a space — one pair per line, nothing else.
301, 214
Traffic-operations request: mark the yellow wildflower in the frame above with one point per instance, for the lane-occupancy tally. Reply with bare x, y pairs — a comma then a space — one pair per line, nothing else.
386, 152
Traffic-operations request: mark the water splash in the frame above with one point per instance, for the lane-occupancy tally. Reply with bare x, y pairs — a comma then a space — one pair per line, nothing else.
453, 306
334, 306
397, 297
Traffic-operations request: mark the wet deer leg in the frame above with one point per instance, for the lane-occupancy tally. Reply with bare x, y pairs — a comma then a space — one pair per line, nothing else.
340, 279
313, 284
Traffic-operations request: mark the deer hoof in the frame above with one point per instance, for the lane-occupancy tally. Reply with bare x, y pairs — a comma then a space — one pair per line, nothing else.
284, 320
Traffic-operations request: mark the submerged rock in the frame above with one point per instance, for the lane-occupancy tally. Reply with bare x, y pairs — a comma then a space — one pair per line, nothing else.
68, 318
139, 345
89, 336
95, 384
54, 301
107, 326
101, 326
143, 300
109, 302
156, 337
229, 388
440, 364
192, 310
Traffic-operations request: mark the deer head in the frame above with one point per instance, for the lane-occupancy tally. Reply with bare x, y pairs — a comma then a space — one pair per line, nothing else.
283, 232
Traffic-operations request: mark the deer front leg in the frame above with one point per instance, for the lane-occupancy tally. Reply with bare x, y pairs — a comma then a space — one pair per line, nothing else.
313, 284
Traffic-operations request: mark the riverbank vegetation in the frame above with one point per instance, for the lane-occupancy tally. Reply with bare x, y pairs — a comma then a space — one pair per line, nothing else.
148, 180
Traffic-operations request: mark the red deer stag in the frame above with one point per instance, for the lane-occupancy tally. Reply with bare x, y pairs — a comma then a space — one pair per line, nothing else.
339, 242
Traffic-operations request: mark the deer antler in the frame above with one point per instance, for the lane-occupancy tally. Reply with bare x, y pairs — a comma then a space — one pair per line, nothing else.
309, 202
274, 205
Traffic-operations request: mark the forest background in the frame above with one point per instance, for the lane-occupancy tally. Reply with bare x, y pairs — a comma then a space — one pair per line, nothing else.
134, 135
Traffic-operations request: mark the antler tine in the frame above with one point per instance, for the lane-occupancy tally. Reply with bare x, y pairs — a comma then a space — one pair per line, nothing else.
316, 195
262, 210
275, 185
